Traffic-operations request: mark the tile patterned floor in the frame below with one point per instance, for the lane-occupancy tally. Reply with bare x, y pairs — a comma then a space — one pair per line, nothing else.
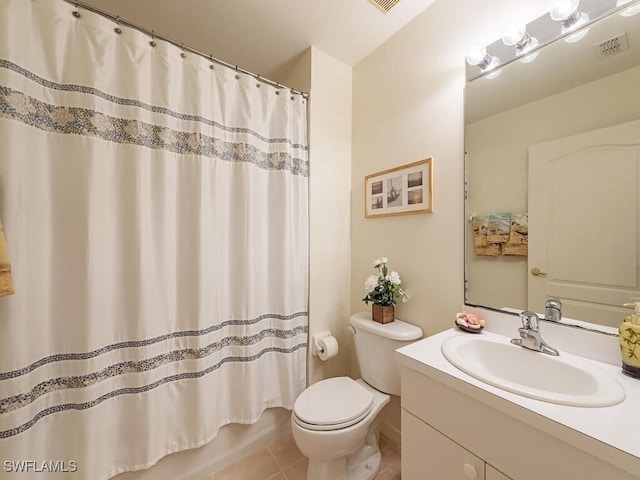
283, 461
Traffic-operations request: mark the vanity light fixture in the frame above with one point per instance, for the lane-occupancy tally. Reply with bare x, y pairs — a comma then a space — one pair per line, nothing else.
568, 13
517, 43
628, 12
479, 57
516, 35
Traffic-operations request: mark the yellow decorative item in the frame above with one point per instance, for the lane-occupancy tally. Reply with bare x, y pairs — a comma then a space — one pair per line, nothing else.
629, 335
6, 280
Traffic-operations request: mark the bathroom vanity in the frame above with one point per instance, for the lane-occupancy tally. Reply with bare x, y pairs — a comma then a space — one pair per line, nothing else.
529, 138
457, 427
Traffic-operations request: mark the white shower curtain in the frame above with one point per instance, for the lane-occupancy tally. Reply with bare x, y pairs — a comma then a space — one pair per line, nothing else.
155, 212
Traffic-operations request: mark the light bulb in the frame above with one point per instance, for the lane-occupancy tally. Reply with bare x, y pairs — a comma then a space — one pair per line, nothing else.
577, 36
494, 73
514, 34
531, 57
563, 9
566, 12
476, 55
492, 68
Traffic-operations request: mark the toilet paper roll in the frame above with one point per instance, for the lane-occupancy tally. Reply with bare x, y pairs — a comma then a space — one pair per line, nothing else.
328, 348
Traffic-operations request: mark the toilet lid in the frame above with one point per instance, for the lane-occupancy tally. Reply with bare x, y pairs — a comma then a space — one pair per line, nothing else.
333, 402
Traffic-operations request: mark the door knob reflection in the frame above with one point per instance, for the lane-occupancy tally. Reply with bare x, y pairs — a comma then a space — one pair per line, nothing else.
537, 272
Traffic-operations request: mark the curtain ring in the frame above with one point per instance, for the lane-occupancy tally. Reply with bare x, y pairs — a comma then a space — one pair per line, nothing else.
76, 13
183, 55
237, 75
211, 60
153, 36
118, 30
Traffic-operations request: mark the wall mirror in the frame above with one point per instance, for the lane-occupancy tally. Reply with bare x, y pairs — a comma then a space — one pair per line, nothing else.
557, 137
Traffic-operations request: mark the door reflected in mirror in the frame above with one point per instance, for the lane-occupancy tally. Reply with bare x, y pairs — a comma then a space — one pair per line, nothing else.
559, 139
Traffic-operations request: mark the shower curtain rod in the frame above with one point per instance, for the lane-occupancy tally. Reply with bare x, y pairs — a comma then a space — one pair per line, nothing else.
182, 46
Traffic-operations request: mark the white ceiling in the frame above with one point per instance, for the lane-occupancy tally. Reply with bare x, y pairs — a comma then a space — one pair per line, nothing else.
263, 36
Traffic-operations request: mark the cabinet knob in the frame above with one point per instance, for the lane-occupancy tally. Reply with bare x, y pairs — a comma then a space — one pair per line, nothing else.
470, 471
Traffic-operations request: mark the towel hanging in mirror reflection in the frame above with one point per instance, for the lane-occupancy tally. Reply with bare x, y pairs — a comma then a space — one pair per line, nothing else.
502, 233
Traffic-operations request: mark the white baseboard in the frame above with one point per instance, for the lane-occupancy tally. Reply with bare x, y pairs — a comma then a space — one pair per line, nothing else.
391, 434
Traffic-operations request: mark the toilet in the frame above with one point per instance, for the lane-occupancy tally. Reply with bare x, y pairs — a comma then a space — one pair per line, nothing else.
334, 421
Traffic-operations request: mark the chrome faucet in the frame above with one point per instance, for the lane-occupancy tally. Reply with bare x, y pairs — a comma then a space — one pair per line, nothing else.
553, 309
530, 335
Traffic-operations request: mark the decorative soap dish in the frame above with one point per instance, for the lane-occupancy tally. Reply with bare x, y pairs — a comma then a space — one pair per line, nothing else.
469, 322
468, 329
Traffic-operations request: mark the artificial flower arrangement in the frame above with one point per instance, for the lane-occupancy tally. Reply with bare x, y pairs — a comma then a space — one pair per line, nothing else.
383, 290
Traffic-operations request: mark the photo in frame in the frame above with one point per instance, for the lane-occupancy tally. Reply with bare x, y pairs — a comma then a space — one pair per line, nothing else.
400, 191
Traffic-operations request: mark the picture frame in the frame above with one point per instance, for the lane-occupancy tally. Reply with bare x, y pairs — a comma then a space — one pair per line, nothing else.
403, 190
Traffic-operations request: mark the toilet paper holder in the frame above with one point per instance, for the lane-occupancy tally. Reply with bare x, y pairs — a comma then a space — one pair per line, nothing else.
316, 349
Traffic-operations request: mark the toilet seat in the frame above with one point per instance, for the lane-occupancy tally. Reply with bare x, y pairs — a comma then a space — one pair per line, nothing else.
332, 404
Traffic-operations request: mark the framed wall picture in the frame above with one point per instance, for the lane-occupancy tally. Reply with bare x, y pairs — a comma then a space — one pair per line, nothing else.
400, 191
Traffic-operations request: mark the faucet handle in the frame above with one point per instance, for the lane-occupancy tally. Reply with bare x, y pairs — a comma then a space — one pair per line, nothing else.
530, 320
553, 302
553, 309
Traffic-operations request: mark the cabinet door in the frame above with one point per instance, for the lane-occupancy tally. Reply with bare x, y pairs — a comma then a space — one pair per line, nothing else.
493, 474
429, 455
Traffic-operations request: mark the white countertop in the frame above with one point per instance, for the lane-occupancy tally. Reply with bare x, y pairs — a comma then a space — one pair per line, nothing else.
612, 433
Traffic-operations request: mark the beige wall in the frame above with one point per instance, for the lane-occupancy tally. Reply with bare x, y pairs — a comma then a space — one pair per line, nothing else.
408, 105
329, 83
329, 214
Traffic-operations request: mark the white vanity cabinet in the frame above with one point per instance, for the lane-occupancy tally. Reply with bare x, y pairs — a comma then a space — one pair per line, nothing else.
447, 434
493, 474
426, 453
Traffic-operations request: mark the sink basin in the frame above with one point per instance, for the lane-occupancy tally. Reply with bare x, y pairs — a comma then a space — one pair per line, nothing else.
566, 379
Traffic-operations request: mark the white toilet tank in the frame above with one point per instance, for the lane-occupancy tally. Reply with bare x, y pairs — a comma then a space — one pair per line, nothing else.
375, 345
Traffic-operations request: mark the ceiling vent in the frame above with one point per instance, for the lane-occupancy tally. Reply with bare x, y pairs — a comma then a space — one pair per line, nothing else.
385, 5
613, 45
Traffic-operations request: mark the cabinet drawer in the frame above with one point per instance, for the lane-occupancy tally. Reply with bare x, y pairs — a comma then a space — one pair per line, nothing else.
493, 474
427, 454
